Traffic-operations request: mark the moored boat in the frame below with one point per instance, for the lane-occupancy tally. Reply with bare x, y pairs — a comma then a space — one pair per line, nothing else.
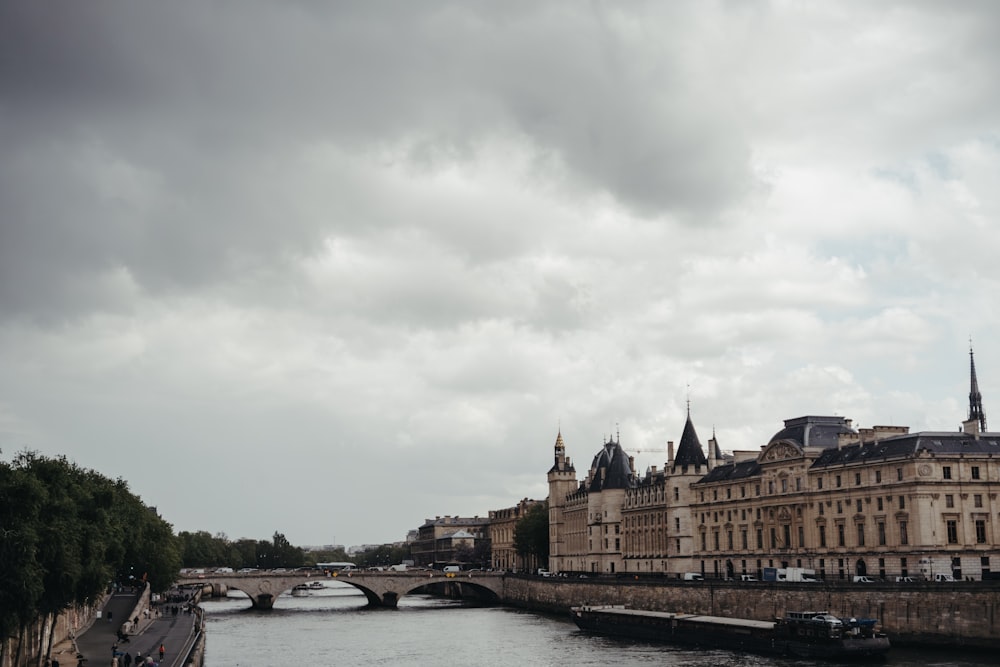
804, 634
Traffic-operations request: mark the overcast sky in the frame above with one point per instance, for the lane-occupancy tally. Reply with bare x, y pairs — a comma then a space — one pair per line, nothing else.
332, 269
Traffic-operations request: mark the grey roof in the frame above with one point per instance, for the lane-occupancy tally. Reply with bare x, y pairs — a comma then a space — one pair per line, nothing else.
731, 471
910, 444
689, 451
612, 469
813, 431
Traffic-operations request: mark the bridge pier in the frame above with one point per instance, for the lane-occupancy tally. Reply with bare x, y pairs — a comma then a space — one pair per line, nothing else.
264, 601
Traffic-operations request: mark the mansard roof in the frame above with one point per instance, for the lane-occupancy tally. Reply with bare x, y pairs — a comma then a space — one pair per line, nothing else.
910, 445
611, 468
732, 471
689, 452
813, 431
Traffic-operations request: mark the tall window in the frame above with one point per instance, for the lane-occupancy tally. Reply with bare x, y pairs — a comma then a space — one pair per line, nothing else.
878, 476
977, 500
881, 534
859, 505
822, 536
861, 534
952, 526
838, 481
975, 472
743, 539
802, 537
819, 482
946, 472
857, 479
899, 474
878, 502
760, 538
904, 537
949, 500
980, 531
840, 535
902, 502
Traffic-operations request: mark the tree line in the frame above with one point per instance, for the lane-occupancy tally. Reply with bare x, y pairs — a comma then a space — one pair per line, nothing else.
66, 534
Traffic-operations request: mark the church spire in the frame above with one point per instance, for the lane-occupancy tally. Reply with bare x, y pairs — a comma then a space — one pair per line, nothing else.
975, 398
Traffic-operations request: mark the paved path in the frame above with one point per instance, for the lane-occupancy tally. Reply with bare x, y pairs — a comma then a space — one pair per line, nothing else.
94, 643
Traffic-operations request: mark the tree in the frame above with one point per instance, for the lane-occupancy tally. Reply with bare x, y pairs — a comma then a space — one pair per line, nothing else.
531, 534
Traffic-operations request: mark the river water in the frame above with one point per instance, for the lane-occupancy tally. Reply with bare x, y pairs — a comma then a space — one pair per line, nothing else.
331, 627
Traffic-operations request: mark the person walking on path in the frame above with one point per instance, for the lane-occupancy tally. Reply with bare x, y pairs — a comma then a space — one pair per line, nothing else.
162, 651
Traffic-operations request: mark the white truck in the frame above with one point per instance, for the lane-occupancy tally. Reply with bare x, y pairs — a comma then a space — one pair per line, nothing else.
797, 574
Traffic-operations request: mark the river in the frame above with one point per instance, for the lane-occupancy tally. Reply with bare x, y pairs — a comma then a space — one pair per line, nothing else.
330, 627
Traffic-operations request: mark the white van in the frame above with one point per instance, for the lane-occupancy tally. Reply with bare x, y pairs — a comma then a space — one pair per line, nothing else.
693, 576
863, 580
452, 568
940, 578
747, 577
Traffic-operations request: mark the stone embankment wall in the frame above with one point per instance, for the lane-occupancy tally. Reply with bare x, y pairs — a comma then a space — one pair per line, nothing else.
965, 614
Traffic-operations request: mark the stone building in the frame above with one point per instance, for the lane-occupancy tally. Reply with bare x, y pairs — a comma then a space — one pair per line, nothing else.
438, 538
881, 502
501, 531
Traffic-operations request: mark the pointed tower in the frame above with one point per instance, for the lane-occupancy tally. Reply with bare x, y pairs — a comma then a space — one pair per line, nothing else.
562, 482
688, 466
975, 398
689, 451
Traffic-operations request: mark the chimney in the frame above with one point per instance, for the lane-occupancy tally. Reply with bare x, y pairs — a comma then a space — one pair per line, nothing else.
670, 451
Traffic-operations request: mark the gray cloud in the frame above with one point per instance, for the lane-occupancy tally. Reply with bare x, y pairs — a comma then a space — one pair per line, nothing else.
321, 249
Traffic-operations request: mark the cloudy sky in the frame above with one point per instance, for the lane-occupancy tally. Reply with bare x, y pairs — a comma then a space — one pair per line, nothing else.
331, 269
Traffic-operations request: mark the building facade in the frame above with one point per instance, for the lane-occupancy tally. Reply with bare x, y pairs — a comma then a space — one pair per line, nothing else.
880, 502
502, 524
440, 537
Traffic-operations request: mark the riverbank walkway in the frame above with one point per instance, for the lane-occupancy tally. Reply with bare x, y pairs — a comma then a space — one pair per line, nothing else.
94, 643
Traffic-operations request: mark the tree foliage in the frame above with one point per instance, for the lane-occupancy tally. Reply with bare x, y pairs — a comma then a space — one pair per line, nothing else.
201, 549
531, 533
67, 533
381, 556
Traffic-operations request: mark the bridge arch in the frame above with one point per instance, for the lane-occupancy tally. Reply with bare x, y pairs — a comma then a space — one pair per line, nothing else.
381, 589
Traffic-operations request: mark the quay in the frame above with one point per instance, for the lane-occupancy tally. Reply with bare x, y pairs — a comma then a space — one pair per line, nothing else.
146, 625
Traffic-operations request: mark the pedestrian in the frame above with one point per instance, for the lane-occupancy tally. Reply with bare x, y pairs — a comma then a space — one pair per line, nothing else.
162, 651
109, 616
127, 660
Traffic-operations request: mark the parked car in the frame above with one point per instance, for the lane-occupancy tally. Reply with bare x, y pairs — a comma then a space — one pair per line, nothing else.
863, 580
904, 580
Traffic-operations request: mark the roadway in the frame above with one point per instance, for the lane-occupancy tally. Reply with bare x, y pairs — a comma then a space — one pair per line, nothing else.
174, 632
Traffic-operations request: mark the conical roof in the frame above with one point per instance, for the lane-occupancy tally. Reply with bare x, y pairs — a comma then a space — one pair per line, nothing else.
689, 452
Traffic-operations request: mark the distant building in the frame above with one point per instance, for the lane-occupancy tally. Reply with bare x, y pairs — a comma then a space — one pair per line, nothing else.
819, 494
501, 532
438, 538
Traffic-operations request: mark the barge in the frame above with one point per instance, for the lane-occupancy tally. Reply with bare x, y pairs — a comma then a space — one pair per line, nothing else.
807, 634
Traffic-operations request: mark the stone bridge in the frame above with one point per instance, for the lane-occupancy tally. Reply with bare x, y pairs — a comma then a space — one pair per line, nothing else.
383, 589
